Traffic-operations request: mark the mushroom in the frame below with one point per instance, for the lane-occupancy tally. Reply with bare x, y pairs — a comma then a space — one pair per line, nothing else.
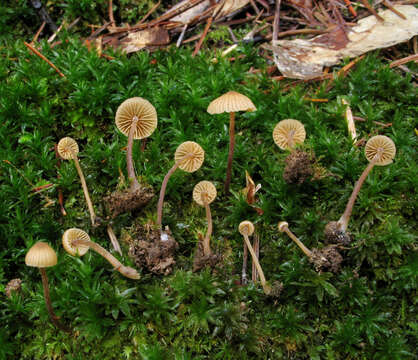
68, 150
246, 229
328, 257
287, 134
380, 150
77, 242
189, 157
136, 118
41, 255
230, 102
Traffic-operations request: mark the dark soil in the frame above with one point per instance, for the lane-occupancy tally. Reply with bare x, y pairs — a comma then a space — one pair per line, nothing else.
299, 167
153, 250
327, 259
124, 201
334, 235
200, 261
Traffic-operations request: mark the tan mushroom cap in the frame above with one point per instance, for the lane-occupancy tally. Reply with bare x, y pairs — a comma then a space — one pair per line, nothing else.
282, 225
197, 155
287, 130
75, 234
143, 110
67, 148
204, 189
41, 255
246, 228
383, 147
231, 102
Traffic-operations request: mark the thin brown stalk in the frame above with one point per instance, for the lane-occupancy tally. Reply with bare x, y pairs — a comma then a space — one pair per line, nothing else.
129, 162
35, 38
256, 247
205, 31
113, 239
231, 151
244, 265
276, 22
110, 10
391, 8
147, 15
255, 261
299, 243
36, 52
206, 240
403, 61
372, 10
85, 190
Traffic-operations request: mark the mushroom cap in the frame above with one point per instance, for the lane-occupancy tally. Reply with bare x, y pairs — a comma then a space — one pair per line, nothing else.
382, 145
246, 228
67, 148
41, 255
282, 224
206, 189
288, 129
195, 161
143, 110
74, 234
231, 102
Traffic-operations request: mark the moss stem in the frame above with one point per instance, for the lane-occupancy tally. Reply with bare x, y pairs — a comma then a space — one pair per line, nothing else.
85, 190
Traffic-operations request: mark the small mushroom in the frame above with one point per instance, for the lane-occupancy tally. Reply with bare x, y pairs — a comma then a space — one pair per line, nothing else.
77, 242
136, 118
189, 156
41, 255
380, 150
327, 258
287, 134
68, 150
246, 229
230, 102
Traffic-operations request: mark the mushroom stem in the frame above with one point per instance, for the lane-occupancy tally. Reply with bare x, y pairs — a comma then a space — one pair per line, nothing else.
299, 243
163, 188
255, 261
345, 218
244, 265
54, 318
231, 151
124, 270
85, 190
129, 162
206, 240
290, 139
113, 239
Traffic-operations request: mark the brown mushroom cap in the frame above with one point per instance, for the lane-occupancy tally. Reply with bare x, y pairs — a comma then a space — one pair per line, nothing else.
206, 189
195, 161
67, 148
382, 146
282, 225
231, 102
143, 110
74, 234
41, 255
286, 130
246, 228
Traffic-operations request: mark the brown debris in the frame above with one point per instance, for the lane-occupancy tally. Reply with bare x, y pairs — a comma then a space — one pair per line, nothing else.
334, 235
299, 167
201, 261
124, 201
326, 259
153, 249
13, 286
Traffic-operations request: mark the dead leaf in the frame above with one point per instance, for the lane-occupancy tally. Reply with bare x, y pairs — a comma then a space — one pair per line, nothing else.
149, 37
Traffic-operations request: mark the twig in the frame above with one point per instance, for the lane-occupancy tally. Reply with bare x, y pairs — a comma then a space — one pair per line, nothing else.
254, 6
205, 31
276, 22
98, 31
175, 12
147, 15
391, 8
74, 23
111, 17
264, 3
54, 35
35, 38
372, 10
403, 60
36, 52
180, 39
350, 8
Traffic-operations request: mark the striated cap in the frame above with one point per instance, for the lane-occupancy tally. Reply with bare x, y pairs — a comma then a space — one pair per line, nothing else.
383, 147
282, 225
67, 148
231, 102
75, 234
287, 133
138, 109
204, 190
41, 255
193, 154
246, 228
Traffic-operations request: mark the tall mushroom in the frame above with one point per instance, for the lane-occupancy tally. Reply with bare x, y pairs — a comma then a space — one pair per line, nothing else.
41, 255
204, 193
287, 134
77, 242
246, 229
230, 102
68, 150
380, 150
189, 156
327, 258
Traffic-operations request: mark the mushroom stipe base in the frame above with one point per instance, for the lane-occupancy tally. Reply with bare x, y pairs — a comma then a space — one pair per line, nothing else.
335, 235
299, 167
120, 202
201, 261
326, 259
149, 252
